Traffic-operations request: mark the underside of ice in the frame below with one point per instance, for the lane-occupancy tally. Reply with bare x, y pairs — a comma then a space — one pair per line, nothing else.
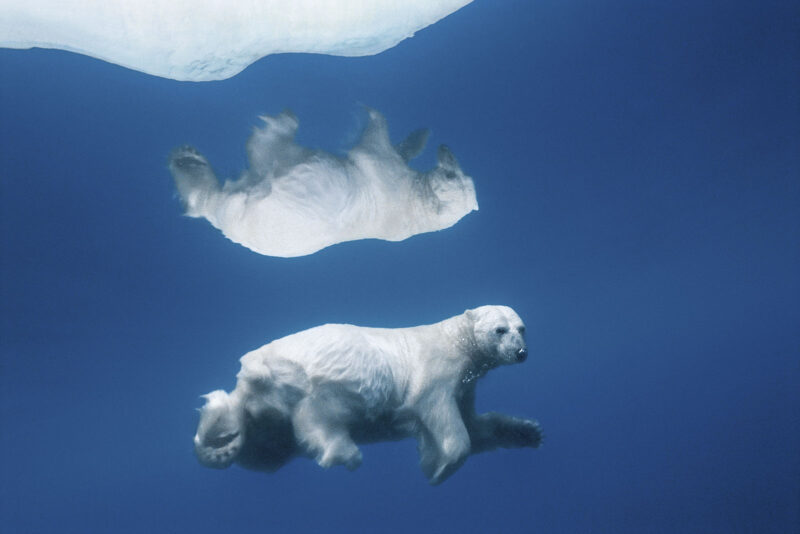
198, 40
294, 201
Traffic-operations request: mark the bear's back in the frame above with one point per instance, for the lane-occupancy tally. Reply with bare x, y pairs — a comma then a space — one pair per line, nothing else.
369, 363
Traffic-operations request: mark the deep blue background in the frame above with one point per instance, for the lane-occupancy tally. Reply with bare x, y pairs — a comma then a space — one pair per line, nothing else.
638, 172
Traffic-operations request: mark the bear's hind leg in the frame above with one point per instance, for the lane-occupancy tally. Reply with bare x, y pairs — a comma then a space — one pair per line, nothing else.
220, 434
270, 442
321, 430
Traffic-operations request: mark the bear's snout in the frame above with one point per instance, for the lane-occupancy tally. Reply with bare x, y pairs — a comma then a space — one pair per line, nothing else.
522, 355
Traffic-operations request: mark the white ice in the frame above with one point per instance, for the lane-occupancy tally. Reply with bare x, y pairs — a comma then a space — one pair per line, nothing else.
199, 40
294, 201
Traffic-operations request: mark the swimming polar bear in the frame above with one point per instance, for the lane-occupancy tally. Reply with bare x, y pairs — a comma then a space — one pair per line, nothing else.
320, 391
294, 201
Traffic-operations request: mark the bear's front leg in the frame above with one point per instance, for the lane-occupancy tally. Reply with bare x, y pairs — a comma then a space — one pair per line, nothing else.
444, 442
491, 430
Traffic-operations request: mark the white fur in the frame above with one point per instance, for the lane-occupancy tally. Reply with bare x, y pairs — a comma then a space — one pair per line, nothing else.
293, 201
199, 40
320, 391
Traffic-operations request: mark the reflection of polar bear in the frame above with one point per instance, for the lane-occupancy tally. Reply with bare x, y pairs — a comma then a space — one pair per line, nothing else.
321, 391
294, 201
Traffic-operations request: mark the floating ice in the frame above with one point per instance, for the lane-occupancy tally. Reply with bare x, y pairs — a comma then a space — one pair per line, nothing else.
294, 201
199, 40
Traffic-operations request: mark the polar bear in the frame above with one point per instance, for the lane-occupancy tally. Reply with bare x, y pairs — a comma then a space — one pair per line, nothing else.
319, 392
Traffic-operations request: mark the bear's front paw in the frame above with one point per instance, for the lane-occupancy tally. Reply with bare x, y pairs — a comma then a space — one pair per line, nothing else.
530, 433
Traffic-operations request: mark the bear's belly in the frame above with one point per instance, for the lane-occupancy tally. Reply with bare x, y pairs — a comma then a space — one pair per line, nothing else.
387, 426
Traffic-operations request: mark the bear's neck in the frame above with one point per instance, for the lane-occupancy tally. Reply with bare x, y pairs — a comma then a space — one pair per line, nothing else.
474, 361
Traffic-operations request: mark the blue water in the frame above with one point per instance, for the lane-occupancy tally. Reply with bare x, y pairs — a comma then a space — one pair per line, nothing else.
638, 172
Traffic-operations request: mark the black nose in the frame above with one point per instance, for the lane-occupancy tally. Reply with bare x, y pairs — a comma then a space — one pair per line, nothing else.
522, 355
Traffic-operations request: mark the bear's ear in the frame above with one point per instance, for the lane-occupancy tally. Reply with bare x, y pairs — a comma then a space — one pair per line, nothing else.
470, 315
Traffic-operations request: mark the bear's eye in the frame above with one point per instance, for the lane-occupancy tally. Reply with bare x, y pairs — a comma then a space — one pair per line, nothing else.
521, 329
500, 330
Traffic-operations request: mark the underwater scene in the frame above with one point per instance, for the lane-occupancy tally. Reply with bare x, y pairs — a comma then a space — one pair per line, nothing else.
422, 266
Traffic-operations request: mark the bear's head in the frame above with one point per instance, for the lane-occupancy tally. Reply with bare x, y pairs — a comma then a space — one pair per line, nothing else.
499, 335
453, 191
